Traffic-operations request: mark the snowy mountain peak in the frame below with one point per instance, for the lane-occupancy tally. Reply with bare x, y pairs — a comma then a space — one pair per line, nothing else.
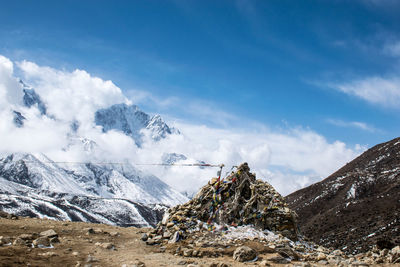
131, 121
100, 180
32, 98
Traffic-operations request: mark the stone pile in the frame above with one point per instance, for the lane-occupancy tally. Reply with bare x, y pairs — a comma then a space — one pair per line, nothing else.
239, 199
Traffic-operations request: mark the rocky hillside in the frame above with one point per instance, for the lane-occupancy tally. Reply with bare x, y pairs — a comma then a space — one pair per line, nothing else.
357, 206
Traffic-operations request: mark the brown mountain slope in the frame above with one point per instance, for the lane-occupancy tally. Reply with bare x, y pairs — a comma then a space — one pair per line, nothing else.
357, 205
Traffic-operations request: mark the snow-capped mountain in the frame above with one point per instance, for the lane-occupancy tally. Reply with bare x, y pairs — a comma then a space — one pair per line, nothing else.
130, 120
66, 207
107, 181
35, 185
357, 205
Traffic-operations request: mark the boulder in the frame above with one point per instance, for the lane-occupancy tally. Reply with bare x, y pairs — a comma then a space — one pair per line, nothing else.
49, 233
19, 242
244, 253
144, 237
41, 242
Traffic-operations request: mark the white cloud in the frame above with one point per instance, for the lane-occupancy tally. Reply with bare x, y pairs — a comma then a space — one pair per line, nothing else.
392, 49
72, 95
10, 89
353, 124
376, 90
288, 160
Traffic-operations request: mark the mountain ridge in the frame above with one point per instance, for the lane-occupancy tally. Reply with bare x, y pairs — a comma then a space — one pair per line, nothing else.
357, 205
33, 185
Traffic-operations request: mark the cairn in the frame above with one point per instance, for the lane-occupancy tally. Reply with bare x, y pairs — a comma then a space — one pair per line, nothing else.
239, 199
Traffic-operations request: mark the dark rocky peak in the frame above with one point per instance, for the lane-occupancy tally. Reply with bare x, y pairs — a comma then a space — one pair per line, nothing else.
31, 98
18, 119
357, 205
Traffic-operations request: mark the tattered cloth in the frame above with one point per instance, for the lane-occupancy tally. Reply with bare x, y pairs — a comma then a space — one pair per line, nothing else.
239, 199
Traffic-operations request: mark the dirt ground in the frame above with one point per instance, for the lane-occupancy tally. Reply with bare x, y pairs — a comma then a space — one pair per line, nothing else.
76, 245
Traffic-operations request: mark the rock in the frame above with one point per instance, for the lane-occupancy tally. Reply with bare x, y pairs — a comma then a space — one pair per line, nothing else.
279, 259
3, 214
6, 215
158, 238
137, 263
54, 240
91, 258
384, 252
170, 224
174, 238
98, 231
89, 231
5, 241
337, 252
41, 242
167, 235
144, 237
49, 233
150, 242
27, 236
183, 262
244, 253
75, 253
107, 245
288, 252
187, 252
395, 252
320, 257
115, 234
19, 242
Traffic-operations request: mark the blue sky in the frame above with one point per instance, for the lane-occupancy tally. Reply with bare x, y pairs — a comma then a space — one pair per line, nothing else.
328, 66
